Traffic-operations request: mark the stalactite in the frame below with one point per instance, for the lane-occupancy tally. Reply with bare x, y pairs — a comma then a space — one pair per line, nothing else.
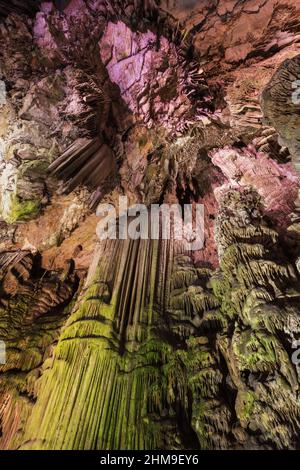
111, 342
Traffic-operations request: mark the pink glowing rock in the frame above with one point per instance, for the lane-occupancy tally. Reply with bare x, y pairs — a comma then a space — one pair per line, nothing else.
74, 7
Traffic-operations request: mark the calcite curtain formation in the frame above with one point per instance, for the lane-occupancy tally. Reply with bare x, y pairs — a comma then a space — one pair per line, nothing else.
143, 344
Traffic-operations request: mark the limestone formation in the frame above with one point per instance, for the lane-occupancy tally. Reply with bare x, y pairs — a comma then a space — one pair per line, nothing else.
145, 344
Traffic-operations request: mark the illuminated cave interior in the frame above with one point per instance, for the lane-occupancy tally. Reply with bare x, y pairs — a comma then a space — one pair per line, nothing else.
145, 344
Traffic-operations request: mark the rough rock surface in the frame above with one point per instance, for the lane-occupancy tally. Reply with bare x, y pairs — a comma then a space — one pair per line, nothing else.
125, 344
